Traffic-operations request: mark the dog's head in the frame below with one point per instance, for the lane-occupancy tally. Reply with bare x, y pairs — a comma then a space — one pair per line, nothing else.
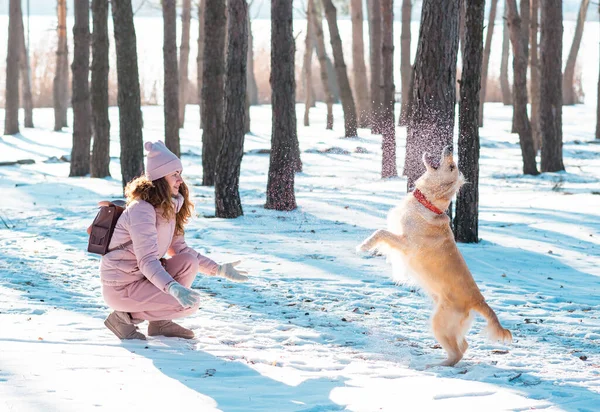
441, 179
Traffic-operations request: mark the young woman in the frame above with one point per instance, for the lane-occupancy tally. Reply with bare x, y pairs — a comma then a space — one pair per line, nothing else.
137, 281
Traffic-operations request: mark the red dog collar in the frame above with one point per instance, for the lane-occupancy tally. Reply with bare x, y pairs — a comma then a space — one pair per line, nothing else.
423, 200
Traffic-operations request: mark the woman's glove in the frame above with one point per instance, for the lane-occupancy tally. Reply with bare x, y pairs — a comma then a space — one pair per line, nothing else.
227, 270
186, 297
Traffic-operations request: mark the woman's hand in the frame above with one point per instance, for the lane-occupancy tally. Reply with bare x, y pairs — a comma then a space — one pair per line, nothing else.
227, 270
186, 297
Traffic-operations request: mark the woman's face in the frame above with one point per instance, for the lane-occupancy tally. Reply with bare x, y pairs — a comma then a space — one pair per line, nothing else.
174, 180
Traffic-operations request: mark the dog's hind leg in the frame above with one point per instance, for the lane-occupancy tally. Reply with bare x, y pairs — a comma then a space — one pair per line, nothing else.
383, 237
445, 324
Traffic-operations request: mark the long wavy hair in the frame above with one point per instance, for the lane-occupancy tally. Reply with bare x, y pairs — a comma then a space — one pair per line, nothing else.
158, 194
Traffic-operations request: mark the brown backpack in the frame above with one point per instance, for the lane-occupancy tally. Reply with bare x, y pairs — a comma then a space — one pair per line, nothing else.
103, 226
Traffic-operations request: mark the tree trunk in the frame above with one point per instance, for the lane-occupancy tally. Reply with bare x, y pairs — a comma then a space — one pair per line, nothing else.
519, 39
432, 108
184, 57
251, 87
568, 82
361, 89
61, 78
405, 66
26, 77
82, 133
11, 100
550, 85
99, 166
374, 9
307, 64
467, 200
213, 87
171, 76
227, 197
247, 107
504, 83
486, 57
388, 123
534, 68
461, 27
284, 140
340, 69
130, 113
322, 56
200, 58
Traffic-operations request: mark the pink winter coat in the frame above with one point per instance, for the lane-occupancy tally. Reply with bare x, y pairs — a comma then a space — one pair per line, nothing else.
153, 237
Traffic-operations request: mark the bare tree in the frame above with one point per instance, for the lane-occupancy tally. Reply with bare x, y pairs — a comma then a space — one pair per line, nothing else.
200, 58
184, 56
504, 84
213, 87
99, 166
405, 66
374, 10
550, 85
61, 77
486, 56
340, 69
284, 140
25, 78
568, 82
388, 123
519, 39
171, 76
307, 64
316, 18
130, 113
534, 68
466, 226
251, 87
11, 98
359, 69
431, 121
82, 133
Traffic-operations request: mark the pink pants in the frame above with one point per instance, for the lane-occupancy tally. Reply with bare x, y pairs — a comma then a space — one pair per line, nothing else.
144, 301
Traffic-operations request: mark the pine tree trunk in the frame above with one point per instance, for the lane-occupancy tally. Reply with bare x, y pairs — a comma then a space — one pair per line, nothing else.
99, 166
461, 27
374, 9
171, 76
284, 140
504, 83
534, 68
307, 64
340, 69
251, 87
322, 56
388, 123
333, 81
361, 89
405, 66
130, 113
519, 40
200, 58
432, 108
467, 200
486, 56
227, 178
61, 79
184, 56
25, 77
82, 133
550, 85
213, 87
11, 100
568, 82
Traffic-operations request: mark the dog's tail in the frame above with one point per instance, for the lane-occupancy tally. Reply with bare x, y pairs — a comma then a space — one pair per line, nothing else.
495, 331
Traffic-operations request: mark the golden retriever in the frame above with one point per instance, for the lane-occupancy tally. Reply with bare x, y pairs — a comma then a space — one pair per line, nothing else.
420, 241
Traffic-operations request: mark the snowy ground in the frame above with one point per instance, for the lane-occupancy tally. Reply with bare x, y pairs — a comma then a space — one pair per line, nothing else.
318, 327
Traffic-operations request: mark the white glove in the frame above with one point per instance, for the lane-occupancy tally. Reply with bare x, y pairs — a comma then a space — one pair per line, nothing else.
186, 297
227, 270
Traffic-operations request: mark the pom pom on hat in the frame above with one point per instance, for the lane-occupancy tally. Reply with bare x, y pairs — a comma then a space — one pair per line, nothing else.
161, 161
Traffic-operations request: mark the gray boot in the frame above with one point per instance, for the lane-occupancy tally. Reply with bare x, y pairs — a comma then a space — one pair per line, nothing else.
169, 329
121, 324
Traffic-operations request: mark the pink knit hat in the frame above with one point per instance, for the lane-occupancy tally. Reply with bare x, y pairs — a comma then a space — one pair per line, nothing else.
161, 161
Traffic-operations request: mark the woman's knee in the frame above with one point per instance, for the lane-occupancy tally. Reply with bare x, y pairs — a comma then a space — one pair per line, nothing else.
182, 263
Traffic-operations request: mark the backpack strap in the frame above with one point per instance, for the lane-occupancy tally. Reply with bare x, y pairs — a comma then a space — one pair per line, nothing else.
123, 246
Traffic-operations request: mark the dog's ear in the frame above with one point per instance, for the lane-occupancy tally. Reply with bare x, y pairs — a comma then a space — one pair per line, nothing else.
429, 162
